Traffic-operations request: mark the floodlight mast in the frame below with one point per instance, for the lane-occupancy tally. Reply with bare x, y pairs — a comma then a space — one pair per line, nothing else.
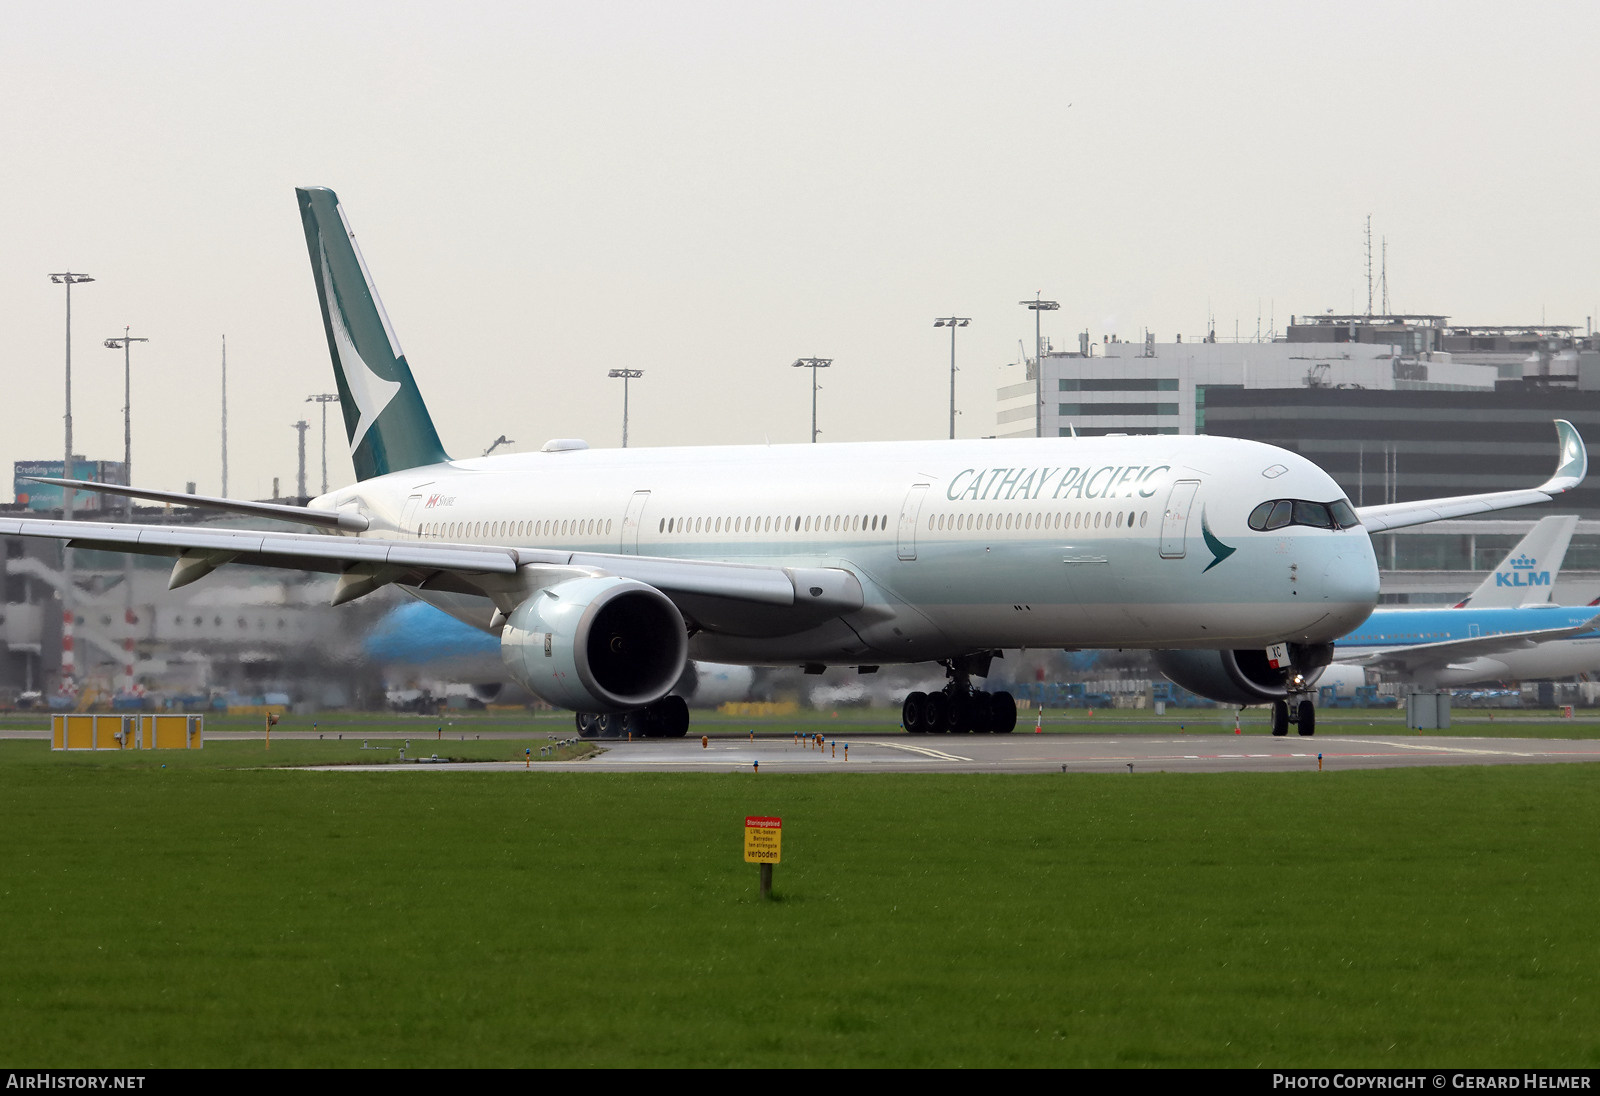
68, 667
1036, 306
68, 279
324, 398
952, 322
813, 364
626, 375
123, 342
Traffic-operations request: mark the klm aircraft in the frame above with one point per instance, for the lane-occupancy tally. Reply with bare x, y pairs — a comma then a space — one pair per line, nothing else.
1526, 575
602, 571
1443, 648
1503, 631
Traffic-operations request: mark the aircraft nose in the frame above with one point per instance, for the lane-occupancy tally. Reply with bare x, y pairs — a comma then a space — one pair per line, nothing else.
1350, 583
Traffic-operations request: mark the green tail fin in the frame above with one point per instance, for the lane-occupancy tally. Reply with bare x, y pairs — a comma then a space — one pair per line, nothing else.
384, 416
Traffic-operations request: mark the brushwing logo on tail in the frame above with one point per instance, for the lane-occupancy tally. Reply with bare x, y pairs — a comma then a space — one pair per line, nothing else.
1219, 551
371, 392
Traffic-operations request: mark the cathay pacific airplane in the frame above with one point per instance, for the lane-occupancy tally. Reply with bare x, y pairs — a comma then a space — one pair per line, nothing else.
603, 571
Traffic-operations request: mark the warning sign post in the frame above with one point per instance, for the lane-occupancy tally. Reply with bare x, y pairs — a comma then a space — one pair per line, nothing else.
763, 844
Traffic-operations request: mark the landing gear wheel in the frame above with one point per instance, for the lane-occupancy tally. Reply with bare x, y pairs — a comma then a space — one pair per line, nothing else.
960, 713
672, 716
913, 713
1280, 717
1308, 718
1002, 713
612, 724
587, 725
979, 705
936, 714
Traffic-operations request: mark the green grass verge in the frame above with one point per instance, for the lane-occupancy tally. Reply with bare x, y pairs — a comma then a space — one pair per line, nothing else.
207, 915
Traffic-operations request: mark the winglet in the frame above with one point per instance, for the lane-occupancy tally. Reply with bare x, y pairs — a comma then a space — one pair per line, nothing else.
1574, 460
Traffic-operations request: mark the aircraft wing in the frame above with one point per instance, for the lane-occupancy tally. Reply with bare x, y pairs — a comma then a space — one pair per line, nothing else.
1422, 656
735, 598
1573, 465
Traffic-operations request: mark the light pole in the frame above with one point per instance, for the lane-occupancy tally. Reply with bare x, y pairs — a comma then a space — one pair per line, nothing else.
813, 364
324, 398
1036, 306
69, 280
122, 343
952, 322
300, 428
68, 669
626, 375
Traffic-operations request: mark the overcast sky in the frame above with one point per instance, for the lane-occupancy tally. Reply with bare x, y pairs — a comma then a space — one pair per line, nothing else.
707, 191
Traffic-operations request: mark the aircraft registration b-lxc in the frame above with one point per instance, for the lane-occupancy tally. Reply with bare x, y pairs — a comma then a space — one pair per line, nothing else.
602, 571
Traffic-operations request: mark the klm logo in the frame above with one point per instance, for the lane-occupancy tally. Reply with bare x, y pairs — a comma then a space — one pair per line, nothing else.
1523, 574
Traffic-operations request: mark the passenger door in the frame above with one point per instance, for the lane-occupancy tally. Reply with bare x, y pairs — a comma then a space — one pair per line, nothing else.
408, 517
1175, 521
910, 513
630, 522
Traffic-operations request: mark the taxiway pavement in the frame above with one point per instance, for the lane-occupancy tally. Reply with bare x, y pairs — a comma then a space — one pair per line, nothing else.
1029, 753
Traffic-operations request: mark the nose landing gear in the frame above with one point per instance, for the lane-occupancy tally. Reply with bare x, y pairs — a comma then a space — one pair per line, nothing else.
1302, 714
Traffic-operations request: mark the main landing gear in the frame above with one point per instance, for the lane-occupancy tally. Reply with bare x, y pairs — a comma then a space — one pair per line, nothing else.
958, 708
666, 718
1303, 714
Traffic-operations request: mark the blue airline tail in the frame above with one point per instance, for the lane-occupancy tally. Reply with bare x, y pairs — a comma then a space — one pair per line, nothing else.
388, 425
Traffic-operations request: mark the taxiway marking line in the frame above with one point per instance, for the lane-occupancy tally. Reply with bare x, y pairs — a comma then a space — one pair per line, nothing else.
923, 750
1425, 748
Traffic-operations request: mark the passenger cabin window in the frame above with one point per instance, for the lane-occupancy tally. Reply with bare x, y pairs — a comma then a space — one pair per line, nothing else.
1278, 513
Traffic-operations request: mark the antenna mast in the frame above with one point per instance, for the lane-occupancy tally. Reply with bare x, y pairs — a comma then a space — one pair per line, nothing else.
1383, 279
1369, 266
224, 416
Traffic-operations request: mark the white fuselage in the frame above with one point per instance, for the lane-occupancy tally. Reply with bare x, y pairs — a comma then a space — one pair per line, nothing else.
1553, 659
1122, 541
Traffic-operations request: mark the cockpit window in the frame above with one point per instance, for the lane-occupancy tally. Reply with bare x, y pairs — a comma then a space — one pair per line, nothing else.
1314, 514
1344, 513
1277, 513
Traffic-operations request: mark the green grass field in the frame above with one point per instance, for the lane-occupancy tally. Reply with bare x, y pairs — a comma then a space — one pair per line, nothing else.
212, 914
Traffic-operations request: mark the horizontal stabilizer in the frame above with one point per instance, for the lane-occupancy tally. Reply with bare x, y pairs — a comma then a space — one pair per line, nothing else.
322, 519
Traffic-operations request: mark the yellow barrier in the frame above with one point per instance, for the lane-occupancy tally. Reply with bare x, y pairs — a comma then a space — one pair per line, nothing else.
171, 732
754, 709
126, 732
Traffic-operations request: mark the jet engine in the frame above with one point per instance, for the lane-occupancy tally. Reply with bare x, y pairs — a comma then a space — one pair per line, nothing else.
596, 644
1244, 676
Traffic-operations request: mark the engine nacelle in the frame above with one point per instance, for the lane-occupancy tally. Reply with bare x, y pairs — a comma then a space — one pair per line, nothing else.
1245, 676
596, 644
